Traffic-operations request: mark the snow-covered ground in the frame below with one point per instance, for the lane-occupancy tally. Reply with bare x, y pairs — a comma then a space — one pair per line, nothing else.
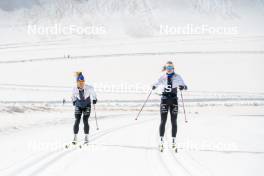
224, 73
215, 141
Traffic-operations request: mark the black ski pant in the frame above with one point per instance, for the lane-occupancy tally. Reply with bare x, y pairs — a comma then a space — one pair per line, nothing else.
78, 115
168, 105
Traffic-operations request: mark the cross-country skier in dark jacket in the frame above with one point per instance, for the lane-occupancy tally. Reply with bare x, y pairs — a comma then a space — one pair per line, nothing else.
81, 97
170, 83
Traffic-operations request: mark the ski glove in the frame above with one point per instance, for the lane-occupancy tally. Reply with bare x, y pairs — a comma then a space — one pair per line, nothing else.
154, 87
73, 103
94, 101
183, 87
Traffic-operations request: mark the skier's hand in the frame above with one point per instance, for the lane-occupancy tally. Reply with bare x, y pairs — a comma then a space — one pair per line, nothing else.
181, 87
73, 103
154, 87
94, 101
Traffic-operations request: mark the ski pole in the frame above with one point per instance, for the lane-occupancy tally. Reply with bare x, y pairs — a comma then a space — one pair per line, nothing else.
183, 108
95, 118
143, 105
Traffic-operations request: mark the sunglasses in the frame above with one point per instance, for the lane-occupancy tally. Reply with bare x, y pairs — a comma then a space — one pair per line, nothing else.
169, 67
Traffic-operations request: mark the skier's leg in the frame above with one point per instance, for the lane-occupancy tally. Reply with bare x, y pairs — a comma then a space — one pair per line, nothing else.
163, 114
174, 114
78, 115
86, 115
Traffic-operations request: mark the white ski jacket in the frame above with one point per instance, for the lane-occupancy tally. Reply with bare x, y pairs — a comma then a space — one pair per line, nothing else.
88, 92
176, 81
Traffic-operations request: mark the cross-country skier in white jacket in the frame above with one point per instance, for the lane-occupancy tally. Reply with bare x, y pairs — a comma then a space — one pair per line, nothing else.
170, 83
81, 97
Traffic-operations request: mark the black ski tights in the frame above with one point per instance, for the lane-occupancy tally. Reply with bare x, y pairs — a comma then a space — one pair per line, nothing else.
78, 114
166, 105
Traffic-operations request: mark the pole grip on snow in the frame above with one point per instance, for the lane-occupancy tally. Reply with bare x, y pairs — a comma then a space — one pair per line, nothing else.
183, 108
144, 104
97, 128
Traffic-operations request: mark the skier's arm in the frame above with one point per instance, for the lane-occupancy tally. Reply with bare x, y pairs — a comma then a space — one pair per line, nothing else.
156, 84
93, 94
181, 84
74, 98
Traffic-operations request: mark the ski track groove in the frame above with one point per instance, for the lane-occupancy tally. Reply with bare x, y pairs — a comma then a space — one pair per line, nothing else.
147, 152
60, 153
172, 154
38, 159
201, 170
164, 164
96, 136
161, 159
32, 163
206, 170
19, 161
48, 163
157, 154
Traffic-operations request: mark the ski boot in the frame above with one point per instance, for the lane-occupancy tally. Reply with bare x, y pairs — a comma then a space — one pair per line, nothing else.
161, 146
85, 143
74, 142
86, 139
174, 147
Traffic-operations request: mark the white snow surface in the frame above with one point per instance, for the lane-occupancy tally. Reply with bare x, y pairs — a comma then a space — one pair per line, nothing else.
224, 103
215, 141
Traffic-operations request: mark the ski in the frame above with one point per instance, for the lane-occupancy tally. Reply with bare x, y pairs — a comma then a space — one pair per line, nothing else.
175, 149
76, 144
84, 144
161, 148
67, 146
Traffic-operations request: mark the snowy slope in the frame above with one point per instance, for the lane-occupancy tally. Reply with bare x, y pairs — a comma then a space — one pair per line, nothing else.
33, 118
206, 63
224, 73
123, 146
